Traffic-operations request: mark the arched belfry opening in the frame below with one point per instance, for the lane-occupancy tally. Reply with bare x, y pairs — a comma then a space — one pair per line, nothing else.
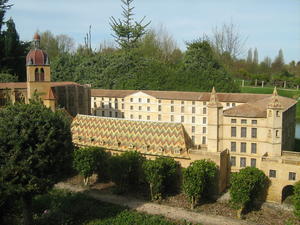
36, 74
42, 74
286, 192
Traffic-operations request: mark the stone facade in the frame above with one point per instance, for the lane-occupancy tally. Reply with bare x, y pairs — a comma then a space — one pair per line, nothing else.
246, 129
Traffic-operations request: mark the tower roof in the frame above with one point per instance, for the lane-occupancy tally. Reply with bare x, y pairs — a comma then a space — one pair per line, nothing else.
214, 101
36, 56
275, 103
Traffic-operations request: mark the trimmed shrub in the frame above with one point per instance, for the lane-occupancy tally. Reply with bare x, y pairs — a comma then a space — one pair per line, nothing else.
198, 179
162, 176
126, 170
90, 160
296, 199
247, 186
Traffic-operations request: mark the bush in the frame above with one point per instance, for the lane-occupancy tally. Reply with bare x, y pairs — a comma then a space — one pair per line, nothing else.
246, 186
126, 170
90, 160
199, 179
162, 176
296, 199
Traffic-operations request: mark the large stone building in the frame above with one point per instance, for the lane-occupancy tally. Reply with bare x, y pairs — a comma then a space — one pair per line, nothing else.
234, 130
73, 97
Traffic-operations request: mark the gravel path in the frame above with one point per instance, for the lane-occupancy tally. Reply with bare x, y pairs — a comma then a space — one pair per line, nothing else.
156, 209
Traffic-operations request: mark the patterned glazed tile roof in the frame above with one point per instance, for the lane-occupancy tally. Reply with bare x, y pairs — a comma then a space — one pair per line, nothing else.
157, 138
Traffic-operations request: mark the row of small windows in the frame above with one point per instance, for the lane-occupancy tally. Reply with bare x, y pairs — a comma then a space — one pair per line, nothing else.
243, 147
203, 139
228, 104
112, 114
244, 132
243, 161
244, 121
292, 175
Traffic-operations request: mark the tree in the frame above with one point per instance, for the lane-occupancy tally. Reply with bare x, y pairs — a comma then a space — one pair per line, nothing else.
5, 77
296, 199
246, 186
228, 39
249, 57
35, 151
3, 8
255, 56
198, 179
90, 160
162, 176
127, 32
278, 63
200, 70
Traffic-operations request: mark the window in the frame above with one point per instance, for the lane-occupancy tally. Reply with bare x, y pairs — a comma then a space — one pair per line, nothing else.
253, 148
204, 120
253, 162
243, 131
102, 104
103, 113
95, 105
140, 100
292, 176
182, 119
131, 107
109, 105
242, 162
182, 102
122, 99
36, 75
233, 161
110, 113
233, 120
148, 100
148, 108
148, 117
204, 130
272, 173
116, 105
140, 117
131, 116
193, 119
233, 104
243, 147
172, 118
193, 110
42, 75
243, 121
227, 104
159, 117
193, 140
277, 114
254, 132
116, 114
193, 102
233, 146
172, 108
203, 140
159, 101
277, 133
123, 115
204, 110
204, 103
233, 131
172, 102
193, 129
122, 106
131, 99
254, 121
159, 108
182, 109
140, 107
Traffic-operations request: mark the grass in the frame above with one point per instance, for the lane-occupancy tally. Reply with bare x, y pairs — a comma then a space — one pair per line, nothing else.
282, 92
61, 207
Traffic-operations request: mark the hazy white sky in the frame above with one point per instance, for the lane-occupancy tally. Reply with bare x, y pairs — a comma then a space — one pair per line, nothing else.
268, 24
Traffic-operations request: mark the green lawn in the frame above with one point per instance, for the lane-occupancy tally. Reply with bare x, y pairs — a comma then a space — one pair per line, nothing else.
269, 90
61, 207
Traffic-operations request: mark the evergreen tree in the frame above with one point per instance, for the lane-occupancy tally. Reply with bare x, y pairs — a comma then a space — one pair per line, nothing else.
278, 63
249, 57
3, 8
255, 57
127, 32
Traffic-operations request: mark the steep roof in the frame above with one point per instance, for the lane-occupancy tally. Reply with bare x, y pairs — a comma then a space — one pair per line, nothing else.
146, 136
23, 85
181, 95
258, 108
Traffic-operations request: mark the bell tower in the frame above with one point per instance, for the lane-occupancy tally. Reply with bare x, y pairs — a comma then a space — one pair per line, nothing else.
38, 70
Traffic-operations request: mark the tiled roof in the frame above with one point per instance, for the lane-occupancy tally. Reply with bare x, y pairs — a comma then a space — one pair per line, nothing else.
258, 108
24, 84
181, 95
157, 138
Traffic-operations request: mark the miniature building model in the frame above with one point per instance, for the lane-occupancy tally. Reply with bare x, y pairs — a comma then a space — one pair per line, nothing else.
234, 130
69, 95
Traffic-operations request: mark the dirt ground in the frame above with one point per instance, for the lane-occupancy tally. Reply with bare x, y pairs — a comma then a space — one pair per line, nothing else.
264, 216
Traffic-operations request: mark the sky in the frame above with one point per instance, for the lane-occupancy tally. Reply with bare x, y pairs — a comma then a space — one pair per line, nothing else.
268, 25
